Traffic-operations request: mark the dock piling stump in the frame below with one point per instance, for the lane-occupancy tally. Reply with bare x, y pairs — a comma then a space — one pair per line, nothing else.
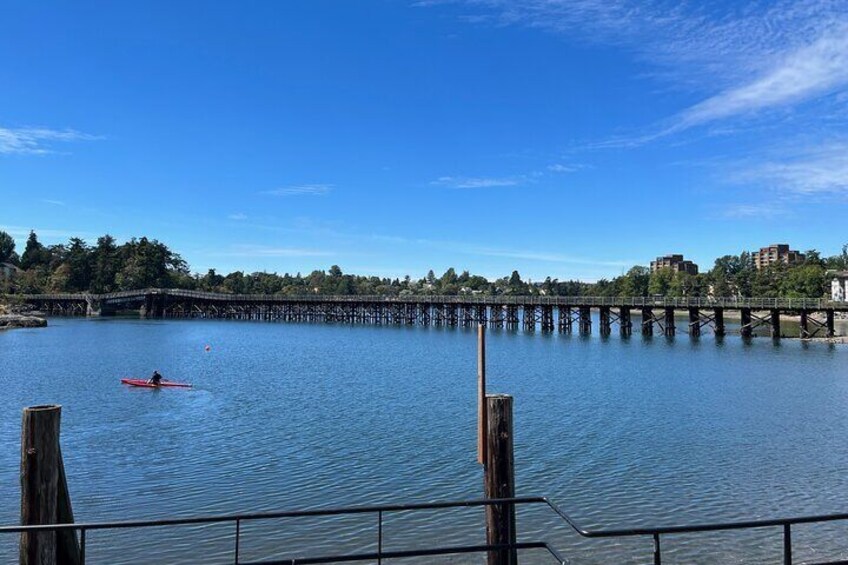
499, 480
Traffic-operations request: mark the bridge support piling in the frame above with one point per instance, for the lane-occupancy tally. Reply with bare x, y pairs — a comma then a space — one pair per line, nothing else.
499, 478
547, 318
694, 322
585, 320
604, 319
669, 322
775, 324
745, 328
830, 326
512, 317
530, 317
719, 322
647, 321
805, 324
625, 321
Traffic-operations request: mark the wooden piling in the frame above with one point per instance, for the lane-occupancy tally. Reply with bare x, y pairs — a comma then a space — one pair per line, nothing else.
44, 491
719, 322
694, 322
669, 322
605, 320
805, 324
647, 321
829, 323
39, 482
481, 395
775, 323
745, 328
499, 479
625, 323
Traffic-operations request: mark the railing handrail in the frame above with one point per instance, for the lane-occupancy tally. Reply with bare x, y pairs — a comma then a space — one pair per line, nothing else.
215, 519
498, 300
654, 532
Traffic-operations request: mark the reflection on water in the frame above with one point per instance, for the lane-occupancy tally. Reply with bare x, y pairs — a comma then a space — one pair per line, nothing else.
620, 432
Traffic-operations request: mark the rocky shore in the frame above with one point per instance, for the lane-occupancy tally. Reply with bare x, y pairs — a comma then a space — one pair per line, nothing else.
10, 318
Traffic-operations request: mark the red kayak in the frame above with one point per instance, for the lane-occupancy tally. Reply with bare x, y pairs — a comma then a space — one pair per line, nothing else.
144, 383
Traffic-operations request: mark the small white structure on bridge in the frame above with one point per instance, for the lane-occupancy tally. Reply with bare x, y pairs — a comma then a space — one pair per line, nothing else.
839, 287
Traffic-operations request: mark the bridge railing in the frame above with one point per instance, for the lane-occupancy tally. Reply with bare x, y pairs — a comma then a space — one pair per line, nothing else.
465, 299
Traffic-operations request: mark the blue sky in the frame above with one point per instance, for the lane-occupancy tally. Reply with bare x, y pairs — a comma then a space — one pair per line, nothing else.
570, 138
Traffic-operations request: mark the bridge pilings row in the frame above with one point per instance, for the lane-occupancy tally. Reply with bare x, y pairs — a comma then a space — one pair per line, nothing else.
661, 320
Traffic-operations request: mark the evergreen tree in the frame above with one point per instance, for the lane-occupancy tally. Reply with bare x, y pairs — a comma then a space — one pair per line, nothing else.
7, 247
34, 254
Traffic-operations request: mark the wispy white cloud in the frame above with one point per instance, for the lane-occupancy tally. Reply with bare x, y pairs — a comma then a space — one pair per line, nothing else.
237, 217
547, 257
817, 170
560, 168
752, 211
748, 58
45, 234
52, 202
477, 182
36, 140
811, 71
248, 250
301, 190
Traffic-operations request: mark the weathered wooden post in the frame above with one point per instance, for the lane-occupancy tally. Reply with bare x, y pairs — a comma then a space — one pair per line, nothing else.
775, 323
605, 320
805, 325
745, 328
500, 479
481, 395
719, 322
44, 491
694, 322
669, 322
625, 323
830, 327
39, 482
647, 321
585, 320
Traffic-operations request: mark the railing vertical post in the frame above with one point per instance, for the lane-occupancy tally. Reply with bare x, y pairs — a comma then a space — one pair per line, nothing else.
82, 546
657, 553
787, 544
500, 479
238, 537
379, 537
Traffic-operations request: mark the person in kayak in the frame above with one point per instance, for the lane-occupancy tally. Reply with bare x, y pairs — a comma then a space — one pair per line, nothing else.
155, 379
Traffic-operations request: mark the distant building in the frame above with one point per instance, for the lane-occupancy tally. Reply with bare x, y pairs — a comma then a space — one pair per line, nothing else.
839, 287
676, 263
7, 270
777, 253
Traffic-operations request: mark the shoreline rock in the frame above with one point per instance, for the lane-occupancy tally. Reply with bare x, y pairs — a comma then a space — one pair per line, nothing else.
9, 321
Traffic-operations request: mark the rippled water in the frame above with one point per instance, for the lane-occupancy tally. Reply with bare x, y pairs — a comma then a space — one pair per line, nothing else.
644, 431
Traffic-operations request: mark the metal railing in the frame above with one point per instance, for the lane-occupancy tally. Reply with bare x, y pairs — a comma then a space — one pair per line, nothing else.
379, 511
499, 300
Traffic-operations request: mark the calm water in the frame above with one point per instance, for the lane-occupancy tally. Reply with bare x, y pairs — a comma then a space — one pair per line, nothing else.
618, 432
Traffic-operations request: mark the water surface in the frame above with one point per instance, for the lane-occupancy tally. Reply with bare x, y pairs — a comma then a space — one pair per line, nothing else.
620, 432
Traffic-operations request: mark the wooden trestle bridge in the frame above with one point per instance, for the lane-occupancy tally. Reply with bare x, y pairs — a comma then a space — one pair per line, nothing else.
553, 313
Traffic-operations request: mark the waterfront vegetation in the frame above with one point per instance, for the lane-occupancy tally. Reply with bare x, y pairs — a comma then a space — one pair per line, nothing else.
107, 266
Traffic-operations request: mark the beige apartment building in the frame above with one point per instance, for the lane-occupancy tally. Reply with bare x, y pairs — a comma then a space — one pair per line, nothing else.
674, 262
777, 253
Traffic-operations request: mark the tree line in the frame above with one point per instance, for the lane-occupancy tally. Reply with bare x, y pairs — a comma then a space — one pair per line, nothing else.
138, 263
